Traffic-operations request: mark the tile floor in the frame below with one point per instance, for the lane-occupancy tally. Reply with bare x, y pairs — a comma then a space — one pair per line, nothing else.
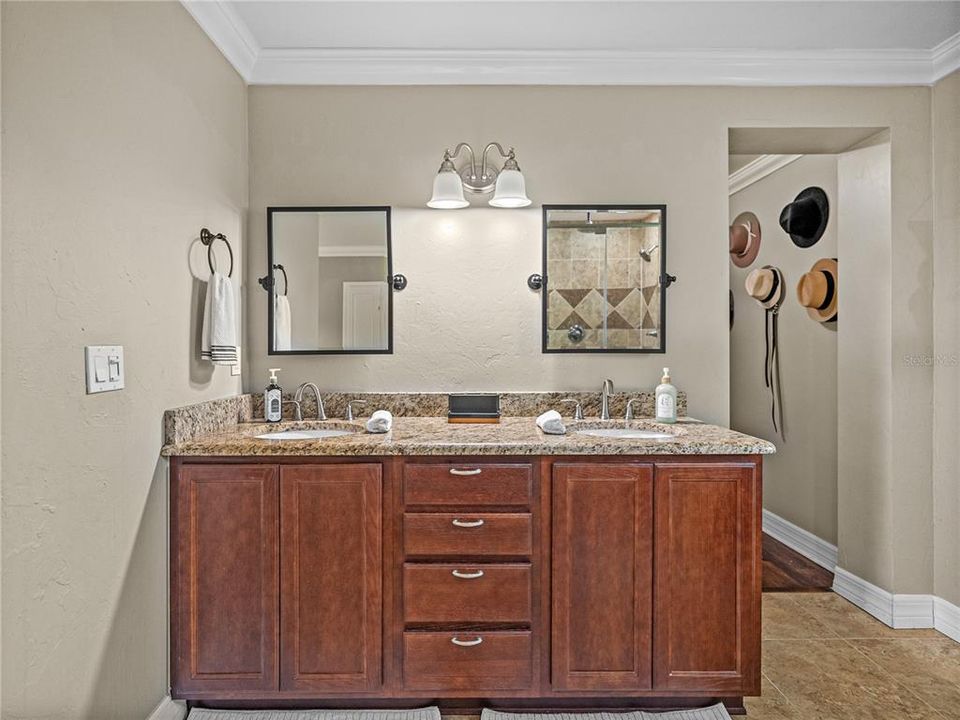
825, 659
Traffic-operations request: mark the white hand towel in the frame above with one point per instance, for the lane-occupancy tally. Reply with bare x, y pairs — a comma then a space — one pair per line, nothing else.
551, 423
281, 322
380, 422
218, 340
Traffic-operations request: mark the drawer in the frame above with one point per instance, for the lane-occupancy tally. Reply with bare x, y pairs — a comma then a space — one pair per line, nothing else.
466, 593
501, 660
468, 534
468, 484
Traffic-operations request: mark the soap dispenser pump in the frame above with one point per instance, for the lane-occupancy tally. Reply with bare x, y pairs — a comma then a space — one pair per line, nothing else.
666, 399
273, 399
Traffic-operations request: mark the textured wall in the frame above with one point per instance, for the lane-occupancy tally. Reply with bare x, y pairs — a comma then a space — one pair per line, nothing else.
800, 481
946, 314
124, 131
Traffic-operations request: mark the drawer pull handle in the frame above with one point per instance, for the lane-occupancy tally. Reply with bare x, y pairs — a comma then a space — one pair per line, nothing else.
467, 523
466, 643
457, 471
468, 575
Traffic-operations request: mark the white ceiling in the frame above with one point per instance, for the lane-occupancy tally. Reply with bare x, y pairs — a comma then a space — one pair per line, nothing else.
584, 41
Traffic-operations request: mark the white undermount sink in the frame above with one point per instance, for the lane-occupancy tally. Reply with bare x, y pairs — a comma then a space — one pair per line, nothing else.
306, 434
625, 433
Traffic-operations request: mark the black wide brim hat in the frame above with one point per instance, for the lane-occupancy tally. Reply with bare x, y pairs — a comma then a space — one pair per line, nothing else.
806, 218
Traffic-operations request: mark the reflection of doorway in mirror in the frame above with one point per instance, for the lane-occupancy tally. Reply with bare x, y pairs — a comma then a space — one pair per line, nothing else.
364, 315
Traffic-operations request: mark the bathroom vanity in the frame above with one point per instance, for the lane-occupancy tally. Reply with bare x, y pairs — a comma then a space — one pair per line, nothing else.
481, 566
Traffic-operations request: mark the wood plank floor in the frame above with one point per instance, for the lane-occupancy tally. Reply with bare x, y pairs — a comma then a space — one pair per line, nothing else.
785, 570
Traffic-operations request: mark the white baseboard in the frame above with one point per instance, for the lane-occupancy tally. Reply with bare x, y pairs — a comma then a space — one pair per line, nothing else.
946, 618
865, 595
169, 709
796, 538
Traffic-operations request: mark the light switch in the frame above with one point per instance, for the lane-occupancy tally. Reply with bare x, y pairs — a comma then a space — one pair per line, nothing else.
104, 365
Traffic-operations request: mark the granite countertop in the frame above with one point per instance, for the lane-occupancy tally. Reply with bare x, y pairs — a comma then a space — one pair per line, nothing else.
435, 436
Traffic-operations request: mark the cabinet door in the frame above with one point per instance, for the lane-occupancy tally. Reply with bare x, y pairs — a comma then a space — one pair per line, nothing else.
602, 576
707, 605
332, 617
225, 581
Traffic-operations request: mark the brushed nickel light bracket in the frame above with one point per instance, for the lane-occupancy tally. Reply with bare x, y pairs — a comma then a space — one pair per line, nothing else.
506, 182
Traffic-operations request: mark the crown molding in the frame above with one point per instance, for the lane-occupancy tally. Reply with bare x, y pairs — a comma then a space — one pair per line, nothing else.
946, 57
377, 66
590, 67
228, 32
758, 169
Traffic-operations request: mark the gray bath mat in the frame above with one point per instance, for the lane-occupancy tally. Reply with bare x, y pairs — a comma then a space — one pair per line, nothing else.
715, 712
427, 713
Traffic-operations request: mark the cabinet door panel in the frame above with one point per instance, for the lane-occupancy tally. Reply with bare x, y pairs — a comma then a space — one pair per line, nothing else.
331, 620
602, 576
225, 637
708, 574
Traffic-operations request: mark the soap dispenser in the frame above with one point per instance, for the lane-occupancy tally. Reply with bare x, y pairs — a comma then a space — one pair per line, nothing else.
666, 399
273, 399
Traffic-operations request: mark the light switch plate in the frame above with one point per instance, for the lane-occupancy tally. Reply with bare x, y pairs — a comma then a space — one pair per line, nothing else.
104, 365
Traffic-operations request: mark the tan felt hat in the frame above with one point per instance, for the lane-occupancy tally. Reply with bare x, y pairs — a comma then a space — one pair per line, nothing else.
817, 290
765, 285
744, 239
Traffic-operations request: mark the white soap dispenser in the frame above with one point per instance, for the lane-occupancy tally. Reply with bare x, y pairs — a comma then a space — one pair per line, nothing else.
273, 399
666, 399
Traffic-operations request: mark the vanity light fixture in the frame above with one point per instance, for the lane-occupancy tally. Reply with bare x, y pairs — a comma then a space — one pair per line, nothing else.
507, 183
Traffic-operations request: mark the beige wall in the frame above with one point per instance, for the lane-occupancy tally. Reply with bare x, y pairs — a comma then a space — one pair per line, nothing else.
348, 145
946, 359
800, 481
124, 132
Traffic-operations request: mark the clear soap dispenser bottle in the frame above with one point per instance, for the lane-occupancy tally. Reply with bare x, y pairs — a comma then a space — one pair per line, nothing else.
666, 399
273, 399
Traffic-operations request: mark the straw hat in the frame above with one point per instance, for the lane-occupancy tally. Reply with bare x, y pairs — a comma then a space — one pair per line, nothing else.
817, 290
744, 239
805, 219
765, 285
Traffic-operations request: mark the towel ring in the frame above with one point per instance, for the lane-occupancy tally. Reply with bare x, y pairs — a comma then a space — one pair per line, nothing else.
207, 238
286, 282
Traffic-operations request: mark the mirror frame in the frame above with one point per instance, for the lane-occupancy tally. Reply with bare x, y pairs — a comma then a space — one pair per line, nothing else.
544, 290
273, 282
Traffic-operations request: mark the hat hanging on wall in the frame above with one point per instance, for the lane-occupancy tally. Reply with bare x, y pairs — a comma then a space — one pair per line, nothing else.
817, 290
744, 239
805, 219
765, 285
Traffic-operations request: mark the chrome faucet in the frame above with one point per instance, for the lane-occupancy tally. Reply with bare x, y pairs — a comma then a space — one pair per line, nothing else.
630, 402
321, 413
605, 398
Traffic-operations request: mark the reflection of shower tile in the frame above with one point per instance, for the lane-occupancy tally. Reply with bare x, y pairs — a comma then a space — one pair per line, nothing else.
574, 318
616, 295
584, 274
618, 339
559, 273
618, 272
651, 342
636, 271
618, 243
558, 244
586, 246
616, 321
557, 309
592, 308
573, 295
632, 308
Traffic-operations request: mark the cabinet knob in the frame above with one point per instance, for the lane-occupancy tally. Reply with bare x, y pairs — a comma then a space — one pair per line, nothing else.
467, 523
467, 575
472, 471
466, 643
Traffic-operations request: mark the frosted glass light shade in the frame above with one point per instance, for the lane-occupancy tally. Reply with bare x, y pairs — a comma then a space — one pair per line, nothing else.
511, 191
447, 191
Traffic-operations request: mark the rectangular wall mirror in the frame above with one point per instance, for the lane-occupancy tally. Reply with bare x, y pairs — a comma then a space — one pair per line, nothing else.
604, 269
330, 270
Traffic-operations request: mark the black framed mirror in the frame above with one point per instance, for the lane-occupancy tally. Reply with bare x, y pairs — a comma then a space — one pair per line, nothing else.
604, 278
330, 281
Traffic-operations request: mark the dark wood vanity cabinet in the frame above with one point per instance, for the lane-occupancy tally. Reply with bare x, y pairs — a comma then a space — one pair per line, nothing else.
565, 582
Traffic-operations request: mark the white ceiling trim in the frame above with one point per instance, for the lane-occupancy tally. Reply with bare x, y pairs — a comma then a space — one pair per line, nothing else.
228, 32
757, 169
373, 66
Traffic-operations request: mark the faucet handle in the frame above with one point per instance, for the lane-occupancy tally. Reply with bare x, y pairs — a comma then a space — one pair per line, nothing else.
630, 402
350, 404
297, 413
578, 410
